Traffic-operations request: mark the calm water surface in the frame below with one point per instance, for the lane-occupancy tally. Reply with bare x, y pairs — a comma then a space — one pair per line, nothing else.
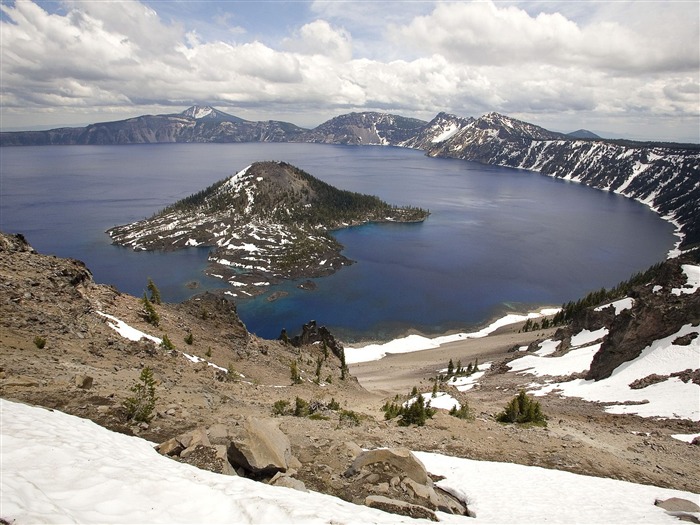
497, 240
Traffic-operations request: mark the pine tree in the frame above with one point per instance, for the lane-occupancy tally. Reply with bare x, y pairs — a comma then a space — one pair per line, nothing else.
522, 409
294, 372
149, 311
343, 366
140, 406
450, 368
155, 293
319, 364
167, 343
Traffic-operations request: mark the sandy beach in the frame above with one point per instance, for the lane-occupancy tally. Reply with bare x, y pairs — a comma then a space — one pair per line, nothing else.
399, 372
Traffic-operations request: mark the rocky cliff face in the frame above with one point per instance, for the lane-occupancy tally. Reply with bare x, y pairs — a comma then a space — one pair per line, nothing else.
666, 177
657, 309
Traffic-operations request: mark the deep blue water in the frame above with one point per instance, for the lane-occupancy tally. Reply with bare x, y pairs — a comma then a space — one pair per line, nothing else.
497, 240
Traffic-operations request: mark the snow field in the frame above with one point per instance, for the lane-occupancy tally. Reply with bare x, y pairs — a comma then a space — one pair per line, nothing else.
70, 470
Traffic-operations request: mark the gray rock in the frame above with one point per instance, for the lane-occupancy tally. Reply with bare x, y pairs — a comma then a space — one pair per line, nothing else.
284, 480
82, 381
677, 505
400, 507
401, 458
260, 448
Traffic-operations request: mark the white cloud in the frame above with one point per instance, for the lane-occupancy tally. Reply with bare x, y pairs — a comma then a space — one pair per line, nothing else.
466, 57
488, 33
319, 38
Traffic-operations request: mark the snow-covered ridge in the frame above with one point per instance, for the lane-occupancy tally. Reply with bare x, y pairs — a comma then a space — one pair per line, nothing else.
198, 112
663, 177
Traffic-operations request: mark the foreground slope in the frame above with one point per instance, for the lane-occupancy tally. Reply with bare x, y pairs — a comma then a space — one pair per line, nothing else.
60, 462
268, 222
219, 373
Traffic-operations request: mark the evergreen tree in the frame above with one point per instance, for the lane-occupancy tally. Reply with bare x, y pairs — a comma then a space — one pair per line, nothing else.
167, 343
522, 409
450, 368
294, 372
140, 406
155, 293
149, 311
319, 364
343, 366
301, 407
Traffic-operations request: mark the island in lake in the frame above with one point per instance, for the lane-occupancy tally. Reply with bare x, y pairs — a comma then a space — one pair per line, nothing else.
267, 223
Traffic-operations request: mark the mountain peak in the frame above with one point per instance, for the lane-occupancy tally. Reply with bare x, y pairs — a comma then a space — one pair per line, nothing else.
198, 112
583, 134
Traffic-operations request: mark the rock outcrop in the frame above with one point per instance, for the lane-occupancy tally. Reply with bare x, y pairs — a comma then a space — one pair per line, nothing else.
657, 312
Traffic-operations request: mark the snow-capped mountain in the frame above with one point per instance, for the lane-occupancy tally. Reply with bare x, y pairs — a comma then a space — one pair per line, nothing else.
441, 128
208, 113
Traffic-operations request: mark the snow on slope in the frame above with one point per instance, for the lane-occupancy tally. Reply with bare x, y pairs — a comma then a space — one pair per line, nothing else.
671, 398
69, 470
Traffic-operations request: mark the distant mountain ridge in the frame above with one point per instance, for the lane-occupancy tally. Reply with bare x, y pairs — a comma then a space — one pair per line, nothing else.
664, 176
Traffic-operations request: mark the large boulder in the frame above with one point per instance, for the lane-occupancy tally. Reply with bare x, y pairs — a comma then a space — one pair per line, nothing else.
401, 458
260, 448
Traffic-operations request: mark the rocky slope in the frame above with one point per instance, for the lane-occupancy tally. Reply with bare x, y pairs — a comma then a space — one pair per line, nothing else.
268, 222
368, 128
88, 362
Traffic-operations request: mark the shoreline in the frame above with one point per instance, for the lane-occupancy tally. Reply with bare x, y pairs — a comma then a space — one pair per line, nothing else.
415, 342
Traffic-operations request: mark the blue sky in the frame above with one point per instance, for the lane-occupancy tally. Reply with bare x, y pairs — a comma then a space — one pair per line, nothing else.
622, 68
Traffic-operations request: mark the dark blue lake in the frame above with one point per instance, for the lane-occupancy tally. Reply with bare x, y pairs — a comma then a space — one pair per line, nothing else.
498, 240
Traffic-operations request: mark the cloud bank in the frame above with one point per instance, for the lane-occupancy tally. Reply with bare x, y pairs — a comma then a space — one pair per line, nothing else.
627, 67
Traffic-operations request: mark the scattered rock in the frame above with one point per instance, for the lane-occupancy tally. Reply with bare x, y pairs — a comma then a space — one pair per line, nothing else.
84, 382
400, 507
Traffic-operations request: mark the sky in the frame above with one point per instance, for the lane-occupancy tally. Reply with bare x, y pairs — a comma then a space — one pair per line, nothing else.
619, 68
